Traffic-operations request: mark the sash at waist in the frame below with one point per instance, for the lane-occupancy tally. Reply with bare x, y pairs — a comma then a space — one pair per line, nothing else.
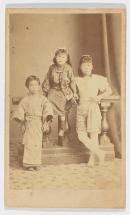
30, 117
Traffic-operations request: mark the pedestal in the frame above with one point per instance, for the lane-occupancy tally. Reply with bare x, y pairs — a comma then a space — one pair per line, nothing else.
105, 142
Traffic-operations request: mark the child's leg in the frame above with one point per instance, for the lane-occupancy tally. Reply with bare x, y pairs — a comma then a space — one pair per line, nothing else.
95, 141
81, 125
83, 137
61, 128
91, 145
94, 138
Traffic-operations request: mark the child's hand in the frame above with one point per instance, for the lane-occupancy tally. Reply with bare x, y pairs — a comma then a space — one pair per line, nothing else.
23, 129
96, 99
76, 96
46, 127
69, 97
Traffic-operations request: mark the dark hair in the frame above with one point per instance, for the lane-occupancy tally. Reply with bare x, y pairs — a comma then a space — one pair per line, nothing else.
31, 78
84, 59
62, 51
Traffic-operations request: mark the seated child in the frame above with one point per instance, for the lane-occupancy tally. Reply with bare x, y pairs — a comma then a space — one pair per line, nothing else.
60, 88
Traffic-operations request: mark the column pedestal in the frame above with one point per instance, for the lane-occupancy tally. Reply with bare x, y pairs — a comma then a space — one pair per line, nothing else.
105, 142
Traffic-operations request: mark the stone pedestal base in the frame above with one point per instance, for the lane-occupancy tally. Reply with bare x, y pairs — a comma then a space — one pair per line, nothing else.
109, 152
107, 146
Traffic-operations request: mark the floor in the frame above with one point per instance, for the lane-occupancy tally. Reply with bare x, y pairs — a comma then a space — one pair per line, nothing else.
68, 176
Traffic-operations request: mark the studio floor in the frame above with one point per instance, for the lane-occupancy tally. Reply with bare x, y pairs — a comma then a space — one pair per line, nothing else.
73, 176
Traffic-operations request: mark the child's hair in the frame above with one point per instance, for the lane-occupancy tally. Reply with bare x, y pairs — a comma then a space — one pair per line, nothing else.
62, 51
84, 59
31, 78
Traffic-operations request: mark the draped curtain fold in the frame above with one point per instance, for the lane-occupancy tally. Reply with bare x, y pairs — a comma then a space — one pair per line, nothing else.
112, 56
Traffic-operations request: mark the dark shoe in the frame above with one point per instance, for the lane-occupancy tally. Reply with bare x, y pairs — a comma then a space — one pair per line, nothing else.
30, 168
60, 141
61, 137
37, 168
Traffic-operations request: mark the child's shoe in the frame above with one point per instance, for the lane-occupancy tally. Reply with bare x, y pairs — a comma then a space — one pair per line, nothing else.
37, 168
30, 168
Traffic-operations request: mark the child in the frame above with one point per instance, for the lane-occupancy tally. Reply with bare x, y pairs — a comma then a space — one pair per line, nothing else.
91, 88
35, 113
59, 85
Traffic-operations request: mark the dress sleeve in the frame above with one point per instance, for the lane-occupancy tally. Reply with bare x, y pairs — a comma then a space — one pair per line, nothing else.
47, 110
19, 113
104, 85
77, 86
72, 80
46, 83
71, 74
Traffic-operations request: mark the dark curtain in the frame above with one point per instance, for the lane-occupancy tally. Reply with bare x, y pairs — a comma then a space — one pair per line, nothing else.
114, 28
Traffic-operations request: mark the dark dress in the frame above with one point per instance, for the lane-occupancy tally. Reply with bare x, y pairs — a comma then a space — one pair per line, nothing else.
59, 85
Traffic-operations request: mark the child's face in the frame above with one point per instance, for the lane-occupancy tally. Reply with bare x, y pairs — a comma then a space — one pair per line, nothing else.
34, 87
86, 68
61, 59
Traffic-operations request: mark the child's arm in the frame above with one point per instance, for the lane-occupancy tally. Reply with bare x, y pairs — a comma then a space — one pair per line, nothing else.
104, 89
73, 84
106, 93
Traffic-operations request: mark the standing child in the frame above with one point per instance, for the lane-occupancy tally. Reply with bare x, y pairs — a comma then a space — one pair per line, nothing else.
92, 88
59, 85
35, 113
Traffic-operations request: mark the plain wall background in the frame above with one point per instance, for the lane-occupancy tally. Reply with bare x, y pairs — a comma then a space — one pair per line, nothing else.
34, 39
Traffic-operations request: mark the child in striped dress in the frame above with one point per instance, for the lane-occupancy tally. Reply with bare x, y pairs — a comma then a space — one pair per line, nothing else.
91, 88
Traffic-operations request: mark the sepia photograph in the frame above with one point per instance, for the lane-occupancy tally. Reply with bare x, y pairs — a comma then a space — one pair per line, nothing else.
65, 108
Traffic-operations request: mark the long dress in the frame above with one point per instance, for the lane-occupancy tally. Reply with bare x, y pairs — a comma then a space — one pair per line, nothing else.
33, 111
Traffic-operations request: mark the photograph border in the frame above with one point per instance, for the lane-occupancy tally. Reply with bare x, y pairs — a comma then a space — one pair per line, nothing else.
67, 198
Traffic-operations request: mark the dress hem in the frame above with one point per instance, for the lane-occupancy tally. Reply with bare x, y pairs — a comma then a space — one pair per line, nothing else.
31, 165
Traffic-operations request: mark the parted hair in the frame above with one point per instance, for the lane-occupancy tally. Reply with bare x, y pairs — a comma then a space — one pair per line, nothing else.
31, 78
62, 51
84, 59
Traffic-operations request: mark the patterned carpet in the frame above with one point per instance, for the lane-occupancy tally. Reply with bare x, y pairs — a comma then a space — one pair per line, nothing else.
68, 176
